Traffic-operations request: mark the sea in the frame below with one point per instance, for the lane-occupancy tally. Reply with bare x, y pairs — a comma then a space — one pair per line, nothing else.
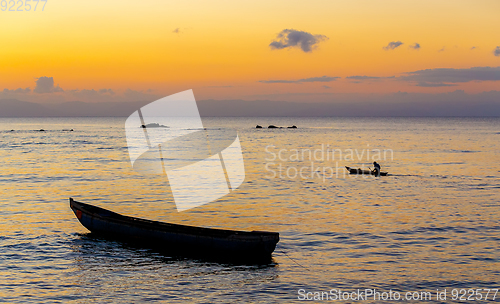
429, 231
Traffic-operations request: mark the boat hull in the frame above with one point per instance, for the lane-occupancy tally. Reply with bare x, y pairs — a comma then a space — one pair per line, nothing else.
364, 172
178, 240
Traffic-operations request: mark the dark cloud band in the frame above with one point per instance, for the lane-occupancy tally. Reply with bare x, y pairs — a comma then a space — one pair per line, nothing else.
443, 75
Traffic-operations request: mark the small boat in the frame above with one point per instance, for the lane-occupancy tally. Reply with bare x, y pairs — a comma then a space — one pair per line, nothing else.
153, 125
179, 240
361, 171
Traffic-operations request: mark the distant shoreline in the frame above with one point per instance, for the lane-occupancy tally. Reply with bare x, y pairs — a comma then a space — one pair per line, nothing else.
489, 107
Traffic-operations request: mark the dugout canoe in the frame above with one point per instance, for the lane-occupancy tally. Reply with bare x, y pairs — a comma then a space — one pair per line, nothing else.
179, 240
361, 171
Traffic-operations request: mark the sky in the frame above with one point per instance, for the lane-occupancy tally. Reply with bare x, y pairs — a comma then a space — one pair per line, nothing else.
300, 51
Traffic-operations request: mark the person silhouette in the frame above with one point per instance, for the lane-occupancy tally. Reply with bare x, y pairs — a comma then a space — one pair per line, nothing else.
376, 170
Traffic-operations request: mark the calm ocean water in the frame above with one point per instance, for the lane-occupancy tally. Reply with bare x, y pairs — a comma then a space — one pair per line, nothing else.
433, 223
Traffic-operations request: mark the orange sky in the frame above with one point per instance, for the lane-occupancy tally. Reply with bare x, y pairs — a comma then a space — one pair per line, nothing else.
222, 47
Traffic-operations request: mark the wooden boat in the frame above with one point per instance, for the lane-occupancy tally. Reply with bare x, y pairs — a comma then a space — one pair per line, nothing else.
361, 171
179, 240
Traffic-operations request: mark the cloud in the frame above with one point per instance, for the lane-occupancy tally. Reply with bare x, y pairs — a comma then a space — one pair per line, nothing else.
361, 79
326, 87
293, 38
17, 91
415, 46
319, 79
496, 52
107, 91
94, 95
441, 50
46, 85
364, 77
43, 93
443, 76
311, 79
434, 85
177, 31
392, 45
473, 48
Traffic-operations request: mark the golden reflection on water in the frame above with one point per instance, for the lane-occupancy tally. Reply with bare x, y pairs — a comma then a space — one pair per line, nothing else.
434, 218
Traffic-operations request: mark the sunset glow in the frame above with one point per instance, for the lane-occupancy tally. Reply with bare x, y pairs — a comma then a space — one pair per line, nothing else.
222, 49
